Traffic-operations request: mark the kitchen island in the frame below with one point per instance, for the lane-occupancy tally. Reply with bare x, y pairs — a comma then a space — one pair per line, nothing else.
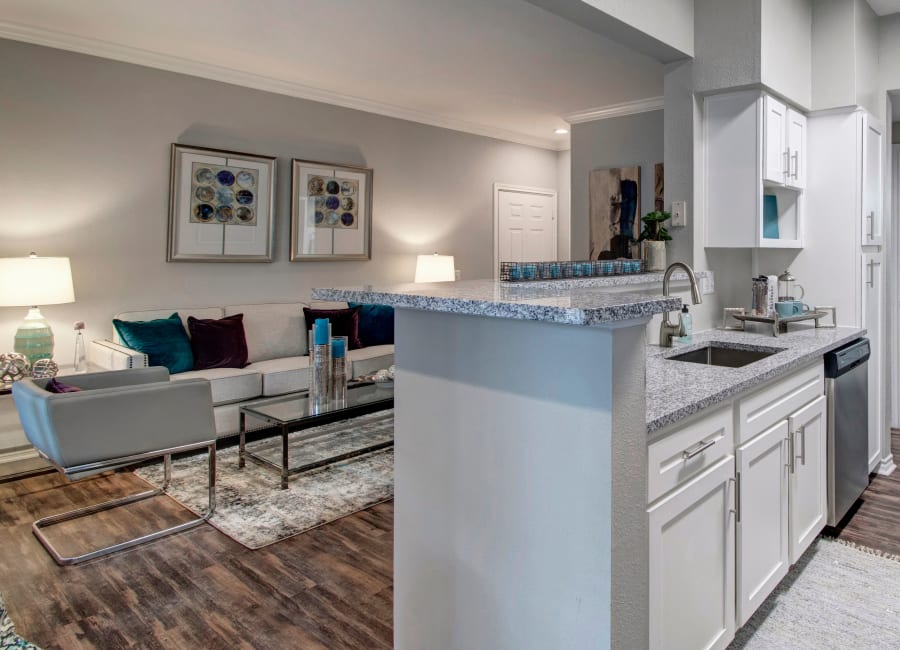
520, 464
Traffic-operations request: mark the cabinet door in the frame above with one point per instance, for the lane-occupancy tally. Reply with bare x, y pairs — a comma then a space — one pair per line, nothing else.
873, 320
872, 170
775, 154
808, 499
796, 148
692, 563
762, 518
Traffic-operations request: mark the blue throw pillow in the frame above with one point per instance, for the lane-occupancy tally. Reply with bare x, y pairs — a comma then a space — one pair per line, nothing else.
163, 340
376, 324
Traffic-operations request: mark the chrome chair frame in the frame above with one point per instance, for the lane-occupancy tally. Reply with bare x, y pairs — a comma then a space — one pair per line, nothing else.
45, 522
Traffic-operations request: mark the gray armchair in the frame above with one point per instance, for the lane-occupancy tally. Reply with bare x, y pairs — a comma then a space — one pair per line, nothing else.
117, 419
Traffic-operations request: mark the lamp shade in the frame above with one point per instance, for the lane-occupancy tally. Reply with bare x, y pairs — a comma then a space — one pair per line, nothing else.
32, 281
435, 268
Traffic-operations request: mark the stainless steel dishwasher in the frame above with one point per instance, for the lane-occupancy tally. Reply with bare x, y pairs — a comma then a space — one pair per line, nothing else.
847, 389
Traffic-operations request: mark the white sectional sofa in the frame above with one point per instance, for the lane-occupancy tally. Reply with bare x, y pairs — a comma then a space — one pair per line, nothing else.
277, 348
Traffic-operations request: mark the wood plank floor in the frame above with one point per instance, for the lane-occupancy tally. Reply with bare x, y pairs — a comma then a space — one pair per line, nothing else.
328, 588
876, 520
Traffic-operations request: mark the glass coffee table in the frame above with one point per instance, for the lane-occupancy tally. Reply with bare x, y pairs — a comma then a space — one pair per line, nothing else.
293, 413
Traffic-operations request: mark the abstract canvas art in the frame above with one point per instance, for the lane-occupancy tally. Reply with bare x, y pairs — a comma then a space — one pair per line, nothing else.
221, 206
331, 211
615, 208
659, 187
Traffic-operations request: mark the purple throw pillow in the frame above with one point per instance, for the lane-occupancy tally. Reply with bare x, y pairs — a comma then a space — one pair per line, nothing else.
56, 386
344, 322
218, 343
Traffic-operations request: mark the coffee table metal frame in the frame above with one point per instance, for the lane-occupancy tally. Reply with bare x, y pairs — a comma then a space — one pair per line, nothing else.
287, 427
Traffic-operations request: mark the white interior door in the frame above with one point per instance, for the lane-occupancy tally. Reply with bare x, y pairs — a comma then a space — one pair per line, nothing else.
525, 226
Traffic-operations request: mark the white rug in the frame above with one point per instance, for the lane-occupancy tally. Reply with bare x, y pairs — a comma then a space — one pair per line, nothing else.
252, 508
835, 597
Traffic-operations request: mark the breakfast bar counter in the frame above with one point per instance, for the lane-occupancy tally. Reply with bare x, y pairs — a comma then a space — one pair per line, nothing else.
520, 463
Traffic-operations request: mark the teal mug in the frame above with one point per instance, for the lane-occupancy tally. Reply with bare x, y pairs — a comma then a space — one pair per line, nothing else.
789, 308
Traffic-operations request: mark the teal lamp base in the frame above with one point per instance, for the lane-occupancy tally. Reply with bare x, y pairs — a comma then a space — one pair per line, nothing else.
34, 338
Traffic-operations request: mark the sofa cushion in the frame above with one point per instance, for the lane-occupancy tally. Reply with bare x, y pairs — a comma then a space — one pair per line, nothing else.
228, 384
163, 340
273, 330
218, 342
367, 360
344, 322
280, 376
153, 314
376, 324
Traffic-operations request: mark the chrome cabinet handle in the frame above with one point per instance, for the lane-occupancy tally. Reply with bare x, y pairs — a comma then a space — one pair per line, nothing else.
790, 441
871, 281
796, 160
699, 448
871, 218
786, 163
737, 498
802, 446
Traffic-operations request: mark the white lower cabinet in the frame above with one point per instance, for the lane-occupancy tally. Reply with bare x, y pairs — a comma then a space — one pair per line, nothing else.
808, 496
762, 526
722, 539
692, 562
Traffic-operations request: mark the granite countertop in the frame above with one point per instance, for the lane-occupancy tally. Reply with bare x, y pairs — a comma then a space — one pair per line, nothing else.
581, 304
677, 389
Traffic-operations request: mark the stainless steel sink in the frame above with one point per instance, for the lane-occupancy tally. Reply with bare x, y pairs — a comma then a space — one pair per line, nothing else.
726, 357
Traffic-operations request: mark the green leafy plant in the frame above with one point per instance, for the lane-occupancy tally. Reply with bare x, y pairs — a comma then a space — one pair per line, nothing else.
653, 228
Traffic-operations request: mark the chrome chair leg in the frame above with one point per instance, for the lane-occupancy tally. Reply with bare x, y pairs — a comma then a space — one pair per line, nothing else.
45, 522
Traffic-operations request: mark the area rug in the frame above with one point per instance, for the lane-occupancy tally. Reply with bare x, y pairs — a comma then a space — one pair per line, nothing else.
9, 640
252, 509
836, 596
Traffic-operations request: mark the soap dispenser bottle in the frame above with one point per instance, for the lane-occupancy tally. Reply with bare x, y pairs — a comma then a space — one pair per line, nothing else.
688, 323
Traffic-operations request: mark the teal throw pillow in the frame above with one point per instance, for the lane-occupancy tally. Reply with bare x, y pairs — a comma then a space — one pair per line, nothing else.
376, 324
163, 340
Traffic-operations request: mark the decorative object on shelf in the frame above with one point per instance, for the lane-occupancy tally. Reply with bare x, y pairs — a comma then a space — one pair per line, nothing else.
319, 365
765, 294
32, 281
331, 211
659, 185
13, 367
770, 216
530, 271
80, 362
339, 371
780, 325
44, 369
435, 268
653, 239
615, 203
221, 206
384, 376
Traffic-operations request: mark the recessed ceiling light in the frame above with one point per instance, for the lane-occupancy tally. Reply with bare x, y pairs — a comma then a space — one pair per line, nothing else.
561, 131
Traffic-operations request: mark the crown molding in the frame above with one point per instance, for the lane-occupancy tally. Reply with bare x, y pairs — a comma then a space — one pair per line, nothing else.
616, 110
137, 56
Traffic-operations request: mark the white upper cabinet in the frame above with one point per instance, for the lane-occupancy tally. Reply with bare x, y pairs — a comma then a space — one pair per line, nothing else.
872, 173
775, 152
796, 150
754, 170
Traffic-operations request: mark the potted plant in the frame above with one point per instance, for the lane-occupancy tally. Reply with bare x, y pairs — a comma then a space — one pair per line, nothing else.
653, 239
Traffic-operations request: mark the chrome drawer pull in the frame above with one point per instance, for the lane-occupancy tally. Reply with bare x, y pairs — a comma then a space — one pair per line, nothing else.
699, 448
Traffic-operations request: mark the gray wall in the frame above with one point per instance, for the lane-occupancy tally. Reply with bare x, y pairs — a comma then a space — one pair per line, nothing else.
85, 174
616, 142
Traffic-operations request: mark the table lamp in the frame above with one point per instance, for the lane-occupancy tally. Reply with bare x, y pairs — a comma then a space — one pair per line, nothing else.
435, 268
28, 282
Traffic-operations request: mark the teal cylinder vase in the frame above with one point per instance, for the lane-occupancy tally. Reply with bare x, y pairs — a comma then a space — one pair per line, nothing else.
34, 338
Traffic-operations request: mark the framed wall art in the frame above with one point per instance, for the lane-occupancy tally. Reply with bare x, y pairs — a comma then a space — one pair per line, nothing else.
221, 206
615, 212
331, 212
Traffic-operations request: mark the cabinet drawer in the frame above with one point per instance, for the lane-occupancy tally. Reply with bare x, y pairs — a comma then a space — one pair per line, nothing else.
764, 408
689, 450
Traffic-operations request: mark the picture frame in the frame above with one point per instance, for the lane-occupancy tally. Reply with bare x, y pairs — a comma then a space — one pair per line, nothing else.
221, 206
331, 211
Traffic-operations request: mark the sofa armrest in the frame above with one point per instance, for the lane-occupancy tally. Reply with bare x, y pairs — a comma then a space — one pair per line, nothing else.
114, 356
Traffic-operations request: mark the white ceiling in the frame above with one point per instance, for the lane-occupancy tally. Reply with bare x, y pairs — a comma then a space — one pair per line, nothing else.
885, 7
498, 67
